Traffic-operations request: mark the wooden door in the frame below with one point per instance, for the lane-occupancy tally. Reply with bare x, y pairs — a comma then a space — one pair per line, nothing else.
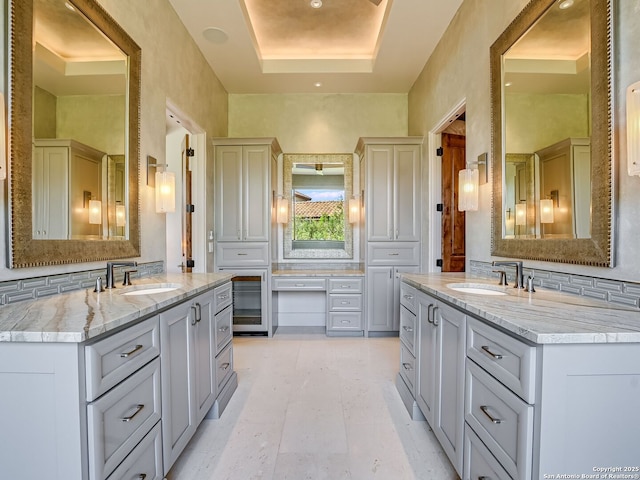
453, 221
187, 208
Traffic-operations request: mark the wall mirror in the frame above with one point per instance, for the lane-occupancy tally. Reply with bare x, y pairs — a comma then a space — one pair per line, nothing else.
551, 134
318, 189
74, 126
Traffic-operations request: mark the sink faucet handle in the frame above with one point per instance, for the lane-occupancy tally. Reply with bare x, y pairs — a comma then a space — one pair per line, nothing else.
503, 277
127, 277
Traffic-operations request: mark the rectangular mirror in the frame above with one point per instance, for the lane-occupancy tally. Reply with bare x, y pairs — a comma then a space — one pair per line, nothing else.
551, 124
318, 188
74, 116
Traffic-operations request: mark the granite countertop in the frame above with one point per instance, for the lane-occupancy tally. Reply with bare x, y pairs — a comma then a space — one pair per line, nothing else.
543, 317
84, 314
318, 273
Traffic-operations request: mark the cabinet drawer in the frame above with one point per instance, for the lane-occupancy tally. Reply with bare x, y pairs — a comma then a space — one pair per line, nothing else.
502, 421
223, 296
345, 285
345, 321
393, 253
299, 283
224, 327
113, 359
408, 297
511, 361
345, 302
408, 368
145, 461
247, 254
478, 461
121, 418
408, 328
224, 366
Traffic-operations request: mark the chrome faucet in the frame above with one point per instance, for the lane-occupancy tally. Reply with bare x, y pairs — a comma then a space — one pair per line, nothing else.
517, 265
110, 283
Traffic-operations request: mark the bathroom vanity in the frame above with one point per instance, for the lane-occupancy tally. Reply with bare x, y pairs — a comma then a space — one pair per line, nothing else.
113, 384
520, 385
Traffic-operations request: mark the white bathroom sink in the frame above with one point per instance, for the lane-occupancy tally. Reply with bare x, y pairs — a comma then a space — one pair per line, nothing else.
477, 288
152, 288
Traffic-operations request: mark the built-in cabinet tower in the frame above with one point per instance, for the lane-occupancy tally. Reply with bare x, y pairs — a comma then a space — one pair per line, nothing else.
245, 230
390, 175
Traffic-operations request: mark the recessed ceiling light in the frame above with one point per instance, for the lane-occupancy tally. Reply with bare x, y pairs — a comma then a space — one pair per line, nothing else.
315, 3
564, 4
508, 84
215, 35
69, 6
317, 84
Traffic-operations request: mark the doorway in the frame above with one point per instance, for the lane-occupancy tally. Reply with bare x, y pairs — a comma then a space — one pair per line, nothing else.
185, 228
447, 156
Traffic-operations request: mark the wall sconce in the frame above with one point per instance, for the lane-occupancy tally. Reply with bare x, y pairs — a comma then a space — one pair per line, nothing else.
282, 210
354, 210
521, 213
121, 216
164, 183
546, 211
95, 212
469, 180
633, 129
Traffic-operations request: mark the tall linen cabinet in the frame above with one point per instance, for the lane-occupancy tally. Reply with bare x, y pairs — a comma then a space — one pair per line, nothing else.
245, 228
390, 176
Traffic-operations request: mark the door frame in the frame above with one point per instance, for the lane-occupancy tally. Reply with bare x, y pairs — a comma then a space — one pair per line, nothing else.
434, 250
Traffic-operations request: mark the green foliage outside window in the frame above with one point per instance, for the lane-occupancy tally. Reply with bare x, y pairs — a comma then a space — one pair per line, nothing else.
326, 227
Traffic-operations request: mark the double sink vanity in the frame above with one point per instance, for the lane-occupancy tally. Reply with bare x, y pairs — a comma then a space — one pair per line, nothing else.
519, 385
113, 384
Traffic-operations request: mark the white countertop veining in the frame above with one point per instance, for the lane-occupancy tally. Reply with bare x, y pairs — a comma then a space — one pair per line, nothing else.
543, 317
84, 314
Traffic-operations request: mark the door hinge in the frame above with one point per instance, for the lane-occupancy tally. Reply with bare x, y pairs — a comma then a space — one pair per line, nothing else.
190, 208
439, 262
439, 207
191, 263
190, 152
440, 151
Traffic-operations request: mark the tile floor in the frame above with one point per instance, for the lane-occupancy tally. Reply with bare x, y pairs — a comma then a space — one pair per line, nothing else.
314, 407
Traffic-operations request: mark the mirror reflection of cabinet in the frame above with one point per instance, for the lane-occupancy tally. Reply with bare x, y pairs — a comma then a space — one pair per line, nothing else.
66, 175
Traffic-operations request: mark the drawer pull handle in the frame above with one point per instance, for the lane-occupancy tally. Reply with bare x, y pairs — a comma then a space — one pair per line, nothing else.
223, 297
345, 286
394, 254
345, 321
142, 476
487, 350
131, 352
225, 366
493, 419
407, 329
408, 297
344, 302
484, 477
242, 254
130, 417
299, 285
223, 329
407, 366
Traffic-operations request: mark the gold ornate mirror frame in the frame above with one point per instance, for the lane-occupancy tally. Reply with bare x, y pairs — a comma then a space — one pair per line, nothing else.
24, 251
597, 250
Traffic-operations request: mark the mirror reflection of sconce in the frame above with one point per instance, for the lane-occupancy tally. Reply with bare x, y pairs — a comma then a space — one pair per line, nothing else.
282, 210
633, 129
354, 209
121, 216
547, 206
521, 214
95, 212
164, 183
469, 180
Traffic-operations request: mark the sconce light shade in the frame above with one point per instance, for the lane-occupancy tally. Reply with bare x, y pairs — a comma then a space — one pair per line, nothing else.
468, 180
633, 129
95, 212
354, 210
546, 211
165, 192
282, 210
521, 213
121, 216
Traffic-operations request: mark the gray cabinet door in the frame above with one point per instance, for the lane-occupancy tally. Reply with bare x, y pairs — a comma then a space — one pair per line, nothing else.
406, 188
379, 191
426, 352
228, 193
448, 422
204, 353
256, 208
380, 297
177, 373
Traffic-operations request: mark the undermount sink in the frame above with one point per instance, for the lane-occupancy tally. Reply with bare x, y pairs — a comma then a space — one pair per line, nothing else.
152, 288
477, 288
